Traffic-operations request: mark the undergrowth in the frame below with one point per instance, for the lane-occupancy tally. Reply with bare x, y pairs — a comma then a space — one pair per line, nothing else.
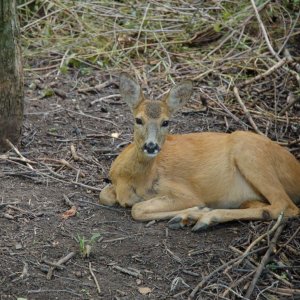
158, 35
217, 44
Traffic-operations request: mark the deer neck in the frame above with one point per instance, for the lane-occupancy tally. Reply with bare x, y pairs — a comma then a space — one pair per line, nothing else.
141, 164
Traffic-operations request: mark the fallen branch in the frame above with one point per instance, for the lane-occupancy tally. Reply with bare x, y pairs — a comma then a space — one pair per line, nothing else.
265, 259
95, 278
18, 159
101, 206
105, 98
209, 276
293, 100
246, 111
264, 31
39, 291
265, 74
20, 210
75, 156
68, 201
86, 186
7, 216
19, 153
255, 263
290, 59
36, 172
133, 273
3, 205
286, 292
236, 283
66, 164
60, 262
52, 264
268, 233
24, 273
235, 261
95, 88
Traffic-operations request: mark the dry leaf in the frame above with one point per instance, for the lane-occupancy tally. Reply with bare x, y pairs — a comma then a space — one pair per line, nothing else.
69, 213
144, 290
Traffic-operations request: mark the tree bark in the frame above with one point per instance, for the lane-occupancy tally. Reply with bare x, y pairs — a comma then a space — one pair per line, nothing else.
11, 76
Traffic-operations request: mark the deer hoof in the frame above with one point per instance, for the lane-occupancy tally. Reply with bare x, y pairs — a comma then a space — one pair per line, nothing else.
175, 223
200, 226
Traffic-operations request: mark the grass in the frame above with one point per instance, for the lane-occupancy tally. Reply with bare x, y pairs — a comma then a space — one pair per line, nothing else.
216, 44
108, 34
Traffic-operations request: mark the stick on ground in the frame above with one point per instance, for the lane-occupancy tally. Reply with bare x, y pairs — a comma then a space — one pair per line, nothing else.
95, 278
246, 111
58, 263
264, 260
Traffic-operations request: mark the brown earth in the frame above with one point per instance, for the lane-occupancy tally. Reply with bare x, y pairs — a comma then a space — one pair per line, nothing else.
166, 264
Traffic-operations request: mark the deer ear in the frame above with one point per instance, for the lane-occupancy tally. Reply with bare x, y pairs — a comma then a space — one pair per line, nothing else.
130, 91
179, 95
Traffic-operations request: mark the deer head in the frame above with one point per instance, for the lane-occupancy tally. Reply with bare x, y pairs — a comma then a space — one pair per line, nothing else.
152, 116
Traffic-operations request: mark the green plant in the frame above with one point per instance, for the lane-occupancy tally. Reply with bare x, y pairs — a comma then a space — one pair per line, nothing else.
85, 245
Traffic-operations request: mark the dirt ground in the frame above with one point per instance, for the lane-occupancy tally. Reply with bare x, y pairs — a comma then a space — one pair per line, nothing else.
130, 260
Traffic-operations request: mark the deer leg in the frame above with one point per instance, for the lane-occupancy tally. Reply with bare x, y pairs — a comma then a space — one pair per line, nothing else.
203, 218
108, 196
198, 214
161, 208
265, 182
118, 194
253, 204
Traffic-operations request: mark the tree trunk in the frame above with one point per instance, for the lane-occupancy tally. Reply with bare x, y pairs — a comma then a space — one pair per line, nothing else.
11, 76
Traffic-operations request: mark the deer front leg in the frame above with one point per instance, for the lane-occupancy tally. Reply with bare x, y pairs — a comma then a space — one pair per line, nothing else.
121, 193
161, 208
108, 196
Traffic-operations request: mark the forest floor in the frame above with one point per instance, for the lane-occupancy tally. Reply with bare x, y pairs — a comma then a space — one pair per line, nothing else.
76, 124
160, 263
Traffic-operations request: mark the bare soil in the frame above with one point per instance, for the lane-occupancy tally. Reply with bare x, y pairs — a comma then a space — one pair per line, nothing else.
165, 264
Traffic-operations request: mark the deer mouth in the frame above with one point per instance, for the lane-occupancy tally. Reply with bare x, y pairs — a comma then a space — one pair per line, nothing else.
151, 149
151, 154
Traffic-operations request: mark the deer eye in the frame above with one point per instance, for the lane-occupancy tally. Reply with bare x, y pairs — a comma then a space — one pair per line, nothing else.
139, 121
165, 123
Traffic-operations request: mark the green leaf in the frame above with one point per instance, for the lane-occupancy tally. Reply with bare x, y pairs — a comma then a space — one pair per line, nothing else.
94, 237
217, 27
64, 69
48, 92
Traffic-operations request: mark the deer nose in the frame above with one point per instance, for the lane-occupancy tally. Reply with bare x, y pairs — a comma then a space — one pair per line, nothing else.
151, 148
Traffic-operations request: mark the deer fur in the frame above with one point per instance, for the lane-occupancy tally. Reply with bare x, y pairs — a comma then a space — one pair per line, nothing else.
198, 179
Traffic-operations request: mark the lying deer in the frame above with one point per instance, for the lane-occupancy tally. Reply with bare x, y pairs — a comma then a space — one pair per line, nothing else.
198, 179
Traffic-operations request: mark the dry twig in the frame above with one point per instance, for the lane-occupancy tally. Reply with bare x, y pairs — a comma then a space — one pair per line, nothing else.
60, 262
264, 31
20, 155
131, 272
294, 99
225, 265
95, 278
265, 259
265, 74
75, 156
246, 111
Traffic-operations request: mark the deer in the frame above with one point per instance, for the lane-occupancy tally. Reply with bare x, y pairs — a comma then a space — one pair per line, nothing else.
197, 179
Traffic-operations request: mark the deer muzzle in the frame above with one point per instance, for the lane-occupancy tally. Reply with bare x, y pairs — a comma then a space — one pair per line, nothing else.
151, 149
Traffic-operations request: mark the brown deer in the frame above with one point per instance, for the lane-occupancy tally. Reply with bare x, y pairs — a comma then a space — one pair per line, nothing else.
198, 179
